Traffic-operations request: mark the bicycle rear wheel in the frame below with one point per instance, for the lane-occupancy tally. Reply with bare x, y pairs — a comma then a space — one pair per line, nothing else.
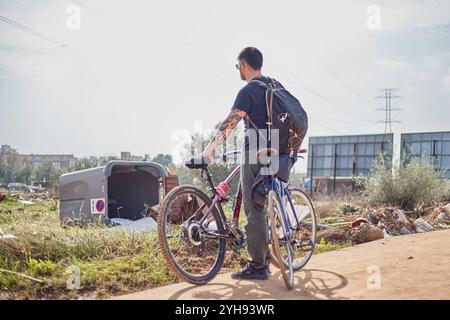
189, 247
280, 240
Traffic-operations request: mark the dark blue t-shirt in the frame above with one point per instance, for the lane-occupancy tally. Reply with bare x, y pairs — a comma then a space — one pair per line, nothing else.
252, 100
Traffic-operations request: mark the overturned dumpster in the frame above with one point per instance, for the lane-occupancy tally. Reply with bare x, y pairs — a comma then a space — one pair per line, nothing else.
120, 189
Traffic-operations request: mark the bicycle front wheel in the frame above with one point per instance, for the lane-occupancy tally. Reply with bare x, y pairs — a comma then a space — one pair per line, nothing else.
188, 235
302, 217
303, 220
280, 239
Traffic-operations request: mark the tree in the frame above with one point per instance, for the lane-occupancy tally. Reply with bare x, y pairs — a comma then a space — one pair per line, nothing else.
2, 171
86, 163
45, 172
24, 174
219, 169
164, 159
13, 168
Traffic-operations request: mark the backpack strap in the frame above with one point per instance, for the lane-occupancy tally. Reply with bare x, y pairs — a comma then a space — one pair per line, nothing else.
260, 83
272, 84
269, 98
255, 127
264, 85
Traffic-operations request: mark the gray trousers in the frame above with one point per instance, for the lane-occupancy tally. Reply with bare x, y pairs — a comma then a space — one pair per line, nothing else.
256, 228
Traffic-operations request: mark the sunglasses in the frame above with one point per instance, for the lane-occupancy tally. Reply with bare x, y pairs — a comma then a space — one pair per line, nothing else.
238, 66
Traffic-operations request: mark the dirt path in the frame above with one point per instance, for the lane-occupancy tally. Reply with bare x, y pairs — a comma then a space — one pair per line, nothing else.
411, 267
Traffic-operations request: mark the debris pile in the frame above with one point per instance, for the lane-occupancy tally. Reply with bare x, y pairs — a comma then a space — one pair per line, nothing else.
385, 222
27, 197
393, 221
440, 217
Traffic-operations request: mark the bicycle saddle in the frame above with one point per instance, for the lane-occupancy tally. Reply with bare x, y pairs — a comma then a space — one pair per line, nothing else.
197, 163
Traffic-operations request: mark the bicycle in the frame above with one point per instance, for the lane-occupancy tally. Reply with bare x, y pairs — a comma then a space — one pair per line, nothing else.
193, 228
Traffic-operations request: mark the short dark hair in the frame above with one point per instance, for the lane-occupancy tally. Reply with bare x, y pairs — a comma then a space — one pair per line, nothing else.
252, 56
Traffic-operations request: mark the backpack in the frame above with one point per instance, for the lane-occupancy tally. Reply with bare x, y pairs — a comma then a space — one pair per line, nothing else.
285, 114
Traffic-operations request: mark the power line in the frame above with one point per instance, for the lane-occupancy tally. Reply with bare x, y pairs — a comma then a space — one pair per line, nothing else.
31, 31
324, 126
387, 96
342, 82
323, 97
326, 99
326, 117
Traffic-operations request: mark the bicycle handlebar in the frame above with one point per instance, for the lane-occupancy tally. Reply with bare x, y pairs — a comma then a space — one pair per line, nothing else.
269, 151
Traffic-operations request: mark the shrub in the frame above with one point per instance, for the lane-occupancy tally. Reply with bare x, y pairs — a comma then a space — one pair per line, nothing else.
447, 191
346, 208
403, 185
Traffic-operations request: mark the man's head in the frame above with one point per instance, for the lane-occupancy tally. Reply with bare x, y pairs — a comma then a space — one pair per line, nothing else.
250, 63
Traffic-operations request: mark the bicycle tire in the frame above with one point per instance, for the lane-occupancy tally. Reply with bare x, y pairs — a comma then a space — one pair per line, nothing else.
300, 265
287, 278
314, 227
169, 258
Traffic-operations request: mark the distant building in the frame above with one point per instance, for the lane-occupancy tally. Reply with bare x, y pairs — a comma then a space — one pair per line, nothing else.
427, 147
63, 161
125, 155
59, 161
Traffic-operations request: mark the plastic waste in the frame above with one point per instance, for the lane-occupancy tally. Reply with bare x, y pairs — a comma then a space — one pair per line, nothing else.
401, 216
422, 225
404, 230
143, 224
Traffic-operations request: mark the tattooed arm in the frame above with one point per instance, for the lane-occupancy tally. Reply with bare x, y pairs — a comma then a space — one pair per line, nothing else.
223, 132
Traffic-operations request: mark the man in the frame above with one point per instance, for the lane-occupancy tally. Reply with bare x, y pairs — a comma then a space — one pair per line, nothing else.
250, 104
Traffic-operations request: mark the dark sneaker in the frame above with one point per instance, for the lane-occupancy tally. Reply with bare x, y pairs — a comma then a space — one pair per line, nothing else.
250, 273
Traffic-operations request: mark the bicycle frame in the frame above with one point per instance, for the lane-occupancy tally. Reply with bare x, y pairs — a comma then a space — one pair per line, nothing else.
217, 201
281, 190
278, 186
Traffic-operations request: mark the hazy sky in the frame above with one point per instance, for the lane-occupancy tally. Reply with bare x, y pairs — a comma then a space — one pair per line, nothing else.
139, 73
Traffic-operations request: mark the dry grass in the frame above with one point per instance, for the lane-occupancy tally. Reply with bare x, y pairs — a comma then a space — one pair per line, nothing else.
110, 262
336, 209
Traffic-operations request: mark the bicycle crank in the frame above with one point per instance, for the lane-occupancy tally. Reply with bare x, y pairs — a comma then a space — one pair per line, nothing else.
240, 242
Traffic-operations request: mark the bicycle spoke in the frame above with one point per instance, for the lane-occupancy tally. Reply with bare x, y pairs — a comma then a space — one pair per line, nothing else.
303, 220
